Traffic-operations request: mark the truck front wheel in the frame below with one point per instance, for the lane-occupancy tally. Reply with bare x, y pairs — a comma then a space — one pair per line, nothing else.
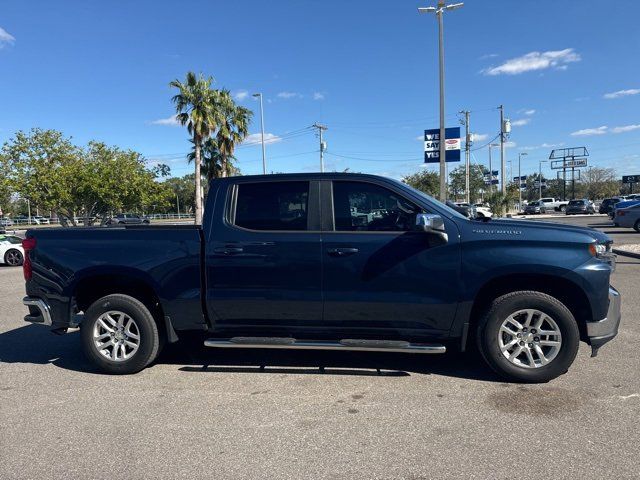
119, 334
528, 336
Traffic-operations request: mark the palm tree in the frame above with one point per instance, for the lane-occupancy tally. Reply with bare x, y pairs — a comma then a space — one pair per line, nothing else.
233, 129
212, 163
196, 107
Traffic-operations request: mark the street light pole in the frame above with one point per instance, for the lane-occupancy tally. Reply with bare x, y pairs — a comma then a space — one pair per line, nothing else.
264, 160
439, 10
520, 179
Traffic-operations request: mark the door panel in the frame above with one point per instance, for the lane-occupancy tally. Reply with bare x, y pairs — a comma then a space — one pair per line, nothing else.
395, 278
263, 264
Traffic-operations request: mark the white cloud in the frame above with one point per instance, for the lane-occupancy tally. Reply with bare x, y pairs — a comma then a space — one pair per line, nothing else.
488, 55
535, 61
318, 96
510, 144
625, 128
288, 95
6, 38
587, 132
420, 138
240, 94
171, 121
521, 122
529, 112
256, 139
622, 93
479, 137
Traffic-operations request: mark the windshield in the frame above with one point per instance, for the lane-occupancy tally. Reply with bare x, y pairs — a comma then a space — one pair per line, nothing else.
533, 204
449, 210
576, 202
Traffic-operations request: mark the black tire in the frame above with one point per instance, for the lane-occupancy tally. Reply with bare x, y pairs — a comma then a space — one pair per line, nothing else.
489, 328
636, 226
13, 257
148, 348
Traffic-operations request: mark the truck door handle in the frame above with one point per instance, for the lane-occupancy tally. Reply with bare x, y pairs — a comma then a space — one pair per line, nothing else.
342, 252
228, 250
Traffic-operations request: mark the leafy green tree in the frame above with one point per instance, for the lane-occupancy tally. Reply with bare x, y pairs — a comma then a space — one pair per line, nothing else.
182, 193
457, 182
600, 183
197, 108
46, 168
425, 181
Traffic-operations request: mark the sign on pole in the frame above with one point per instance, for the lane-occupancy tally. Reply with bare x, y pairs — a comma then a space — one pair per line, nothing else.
631, 179
574, 163
432, 145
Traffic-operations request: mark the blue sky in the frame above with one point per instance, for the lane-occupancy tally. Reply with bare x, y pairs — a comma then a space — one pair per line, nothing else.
567, 73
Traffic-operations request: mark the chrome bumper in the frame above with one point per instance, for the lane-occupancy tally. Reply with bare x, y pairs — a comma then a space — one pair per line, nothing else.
44, 316
602, 331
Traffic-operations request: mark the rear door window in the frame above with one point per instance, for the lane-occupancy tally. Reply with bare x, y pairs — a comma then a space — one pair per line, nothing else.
272, 206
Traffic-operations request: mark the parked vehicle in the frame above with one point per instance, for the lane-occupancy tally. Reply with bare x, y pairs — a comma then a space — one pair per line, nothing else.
535, 208
607, 205
6, 222
11, 252
40, 220
128, 219
622, 204
556, 204
482, 211
462, 208
329, 261
581, 206
628, 217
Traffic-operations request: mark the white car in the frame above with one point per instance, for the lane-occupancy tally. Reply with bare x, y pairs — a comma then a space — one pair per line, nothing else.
482, 211
11, 252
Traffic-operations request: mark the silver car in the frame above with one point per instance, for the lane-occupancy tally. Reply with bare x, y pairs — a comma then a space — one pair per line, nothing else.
628, 217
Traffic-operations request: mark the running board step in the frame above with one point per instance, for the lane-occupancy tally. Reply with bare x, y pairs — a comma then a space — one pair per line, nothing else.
345, 344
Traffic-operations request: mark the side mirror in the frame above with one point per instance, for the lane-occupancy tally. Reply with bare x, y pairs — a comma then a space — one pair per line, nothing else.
430, 223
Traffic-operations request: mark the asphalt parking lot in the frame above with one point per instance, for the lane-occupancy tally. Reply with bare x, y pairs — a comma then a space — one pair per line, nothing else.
198, 414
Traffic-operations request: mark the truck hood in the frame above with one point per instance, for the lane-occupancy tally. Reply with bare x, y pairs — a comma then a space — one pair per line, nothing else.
554, 229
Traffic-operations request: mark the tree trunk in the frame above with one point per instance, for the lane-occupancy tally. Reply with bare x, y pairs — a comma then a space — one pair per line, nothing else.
198, 219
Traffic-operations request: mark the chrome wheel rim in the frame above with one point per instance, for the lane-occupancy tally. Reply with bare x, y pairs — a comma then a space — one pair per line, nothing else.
13, 258
529, 338
116, 336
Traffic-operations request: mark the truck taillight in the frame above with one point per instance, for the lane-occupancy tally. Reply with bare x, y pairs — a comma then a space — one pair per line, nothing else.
28, 244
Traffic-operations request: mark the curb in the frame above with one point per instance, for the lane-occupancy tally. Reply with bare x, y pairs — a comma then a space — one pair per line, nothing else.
625, 253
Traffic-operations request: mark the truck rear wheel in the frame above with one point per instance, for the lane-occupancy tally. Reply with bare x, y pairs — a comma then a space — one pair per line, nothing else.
528, 336
119, 334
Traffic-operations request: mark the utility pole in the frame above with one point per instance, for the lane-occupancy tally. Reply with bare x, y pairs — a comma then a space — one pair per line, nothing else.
323, 145
178, 205
264, 159
467, 154
439, 10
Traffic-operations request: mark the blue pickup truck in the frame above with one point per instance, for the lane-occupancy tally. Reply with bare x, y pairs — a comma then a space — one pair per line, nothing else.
331, 262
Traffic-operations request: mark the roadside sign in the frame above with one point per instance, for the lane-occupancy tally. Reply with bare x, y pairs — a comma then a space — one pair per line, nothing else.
631, 179
432, 145
573, 163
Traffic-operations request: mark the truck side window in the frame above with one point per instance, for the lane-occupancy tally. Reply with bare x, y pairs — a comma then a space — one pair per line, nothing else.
272, 205
360, 206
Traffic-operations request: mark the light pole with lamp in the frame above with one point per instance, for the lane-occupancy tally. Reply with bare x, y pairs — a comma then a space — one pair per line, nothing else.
439, 10
264, 160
